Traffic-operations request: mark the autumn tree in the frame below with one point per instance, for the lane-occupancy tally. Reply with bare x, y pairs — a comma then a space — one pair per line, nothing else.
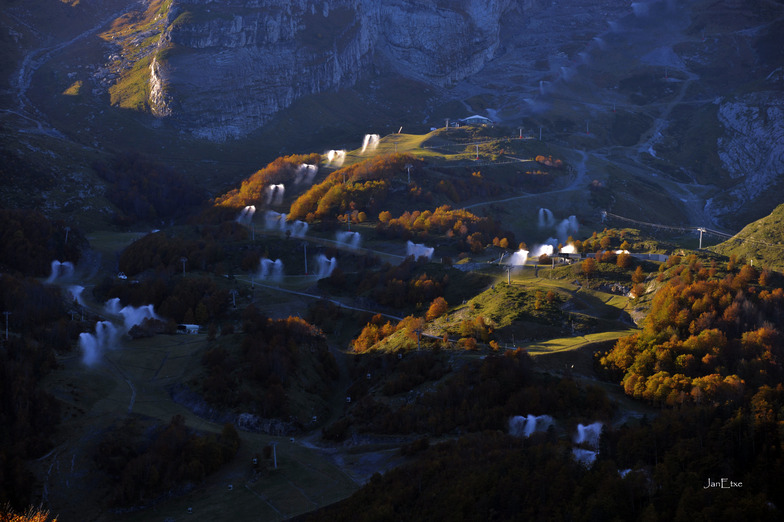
704, 340
285, 170
437, 309
32, 514
588, 267
624, 261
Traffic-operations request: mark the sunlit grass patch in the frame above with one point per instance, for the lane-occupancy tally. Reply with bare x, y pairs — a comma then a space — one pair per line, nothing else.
75, 89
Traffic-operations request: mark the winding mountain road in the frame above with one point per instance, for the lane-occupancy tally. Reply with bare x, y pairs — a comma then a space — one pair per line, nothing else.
578, 183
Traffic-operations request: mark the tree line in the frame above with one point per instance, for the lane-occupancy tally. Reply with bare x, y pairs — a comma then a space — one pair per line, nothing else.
207, 251
251, 191
29, 242
361, 187
707, 338
143, 468
654, 470
270, 360
143, 190
29, 415
481, 395
195, 299
473, 232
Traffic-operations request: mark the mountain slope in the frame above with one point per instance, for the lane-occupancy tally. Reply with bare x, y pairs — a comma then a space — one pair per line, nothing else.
761, 241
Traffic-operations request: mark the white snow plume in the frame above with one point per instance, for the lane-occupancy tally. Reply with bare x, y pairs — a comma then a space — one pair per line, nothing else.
246, 215
568, 227
282, 223
106, 335
520, 426
325, 266
584, 456
370, 142
280, 190
274, 193
93, 345
350, 239
305, 174
270, 270
276, 221
112, 306
272, 220
540, 250
336, 157
133, 316
418, 250
298, 228
60, 271
76, 293
588, 434
546, 218
519, 258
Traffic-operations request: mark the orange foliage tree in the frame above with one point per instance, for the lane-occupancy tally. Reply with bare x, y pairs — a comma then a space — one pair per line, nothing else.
704, 339
437, 309
473, 232
362, 184
282, 170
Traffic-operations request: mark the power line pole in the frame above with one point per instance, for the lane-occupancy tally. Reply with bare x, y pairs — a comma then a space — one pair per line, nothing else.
6, 324
701, 230
305, 246
183, 260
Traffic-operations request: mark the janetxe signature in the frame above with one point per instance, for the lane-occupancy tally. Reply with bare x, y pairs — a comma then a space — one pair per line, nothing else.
723, 483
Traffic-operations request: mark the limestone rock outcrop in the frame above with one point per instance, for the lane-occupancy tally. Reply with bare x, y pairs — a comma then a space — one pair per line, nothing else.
231, 65
752, 147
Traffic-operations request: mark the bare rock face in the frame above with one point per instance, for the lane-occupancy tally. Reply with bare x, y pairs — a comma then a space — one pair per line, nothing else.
441, 42
231, 65
235, 64
752, 148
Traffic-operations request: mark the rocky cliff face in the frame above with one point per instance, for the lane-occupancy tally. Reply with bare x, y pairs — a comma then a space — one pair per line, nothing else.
752, 148
233, 64
441, 42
